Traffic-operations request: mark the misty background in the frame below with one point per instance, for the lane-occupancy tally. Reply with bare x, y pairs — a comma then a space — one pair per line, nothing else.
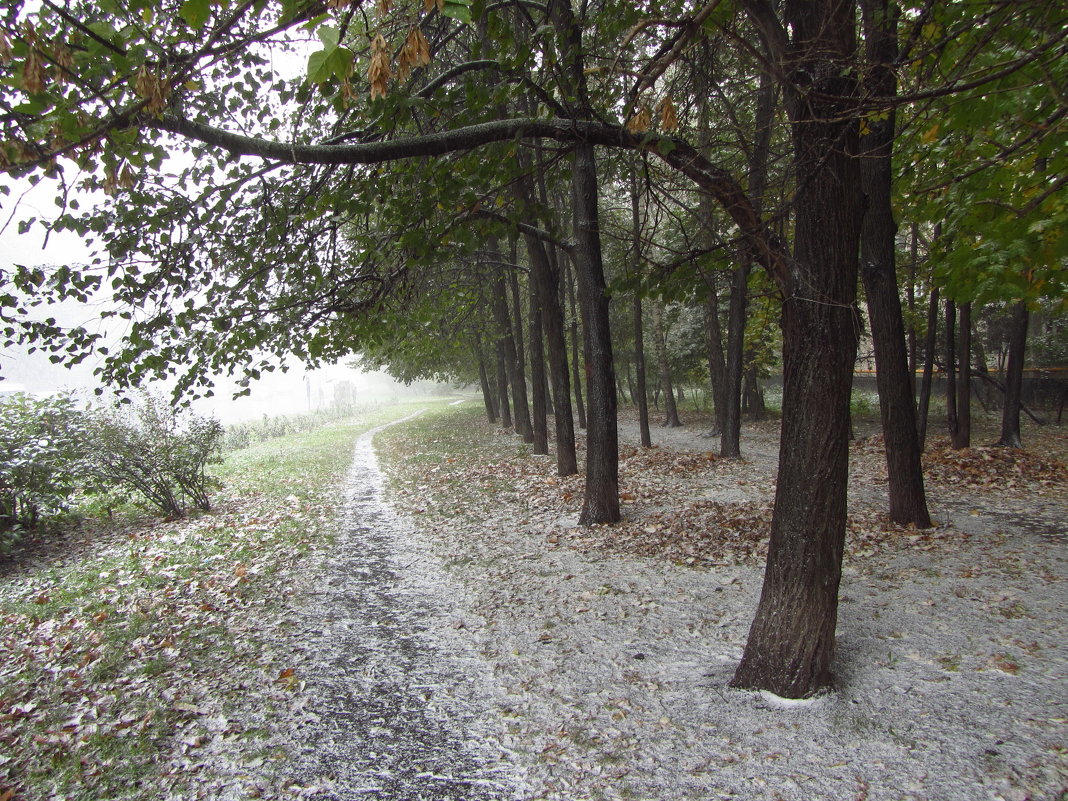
296, 391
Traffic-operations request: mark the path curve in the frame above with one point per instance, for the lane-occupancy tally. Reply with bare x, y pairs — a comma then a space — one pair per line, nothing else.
399, 700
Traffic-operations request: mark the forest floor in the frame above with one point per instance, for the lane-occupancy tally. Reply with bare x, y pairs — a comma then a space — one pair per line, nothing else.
452, 633
610, 649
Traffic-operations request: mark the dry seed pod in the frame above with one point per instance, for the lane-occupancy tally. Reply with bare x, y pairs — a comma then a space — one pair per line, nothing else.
640, 122
33, 74
668, 119
379, 71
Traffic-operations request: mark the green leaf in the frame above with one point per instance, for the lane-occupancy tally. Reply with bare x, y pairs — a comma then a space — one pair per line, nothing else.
195, 12
319, 66
458, 10
329, 36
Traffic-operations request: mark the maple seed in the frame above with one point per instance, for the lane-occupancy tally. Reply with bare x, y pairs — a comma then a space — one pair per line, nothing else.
415, 53
640, 122
5, 50
379, 72
668, 119
33, 74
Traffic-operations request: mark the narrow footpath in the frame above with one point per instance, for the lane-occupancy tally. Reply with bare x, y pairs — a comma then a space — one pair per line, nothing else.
396, 710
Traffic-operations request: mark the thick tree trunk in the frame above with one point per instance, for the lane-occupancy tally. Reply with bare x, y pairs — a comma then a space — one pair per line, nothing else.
928, 367
897, 403
671, 411
1010, 413
962, 437
601, 501
539, 422
791, 642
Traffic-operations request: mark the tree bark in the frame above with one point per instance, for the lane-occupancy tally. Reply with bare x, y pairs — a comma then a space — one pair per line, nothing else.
730, 442
671, 411
951, 369
962, 436
717, 364
539, 422
488, 396
639, 361
502, 387
576, 363
928, 367
521, 411
545, 274
730, 439
791, 642
641, 391
1010, 414
897, 402
601, 500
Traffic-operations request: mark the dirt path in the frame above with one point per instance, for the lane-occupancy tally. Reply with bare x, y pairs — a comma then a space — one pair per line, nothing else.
393, 706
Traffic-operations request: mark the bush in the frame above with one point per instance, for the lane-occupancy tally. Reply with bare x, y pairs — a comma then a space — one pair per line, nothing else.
42, 451
155, 451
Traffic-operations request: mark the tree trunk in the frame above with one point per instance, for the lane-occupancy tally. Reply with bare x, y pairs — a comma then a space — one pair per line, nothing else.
730, 442
928, 367
791, 642
717, 365
601, 500
487, 389
539, 422
502, 386
545, 274
1010, 413
580, 407
913, 260
951, 369
639, 361
515, 378
671, 411
897, 401
962, 437
641, 391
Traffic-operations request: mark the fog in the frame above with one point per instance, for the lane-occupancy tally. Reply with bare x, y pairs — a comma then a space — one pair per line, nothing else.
279, 393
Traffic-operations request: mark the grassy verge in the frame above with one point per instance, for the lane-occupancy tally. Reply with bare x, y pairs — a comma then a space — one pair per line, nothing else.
132, 648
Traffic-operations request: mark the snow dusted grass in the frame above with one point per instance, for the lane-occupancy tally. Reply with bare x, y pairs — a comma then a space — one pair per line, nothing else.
612, 649
133, 650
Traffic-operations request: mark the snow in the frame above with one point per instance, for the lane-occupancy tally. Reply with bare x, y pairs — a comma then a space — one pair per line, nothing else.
551, 673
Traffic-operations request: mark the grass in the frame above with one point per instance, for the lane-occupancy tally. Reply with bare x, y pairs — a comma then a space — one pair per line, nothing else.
122, 635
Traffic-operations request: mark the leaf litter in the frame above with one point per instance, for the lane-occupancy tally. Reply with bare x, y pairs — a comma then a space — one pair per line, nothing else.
612, 647
557, 662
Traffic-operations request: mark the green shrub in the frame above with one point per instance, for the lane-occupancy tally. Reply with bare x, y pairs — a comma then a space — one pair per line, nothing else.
42, 451
151, 449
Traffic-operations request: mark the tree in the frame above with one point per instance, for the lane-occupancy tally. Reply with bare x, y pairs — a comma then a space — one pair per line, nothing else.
908, 503
321, 221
